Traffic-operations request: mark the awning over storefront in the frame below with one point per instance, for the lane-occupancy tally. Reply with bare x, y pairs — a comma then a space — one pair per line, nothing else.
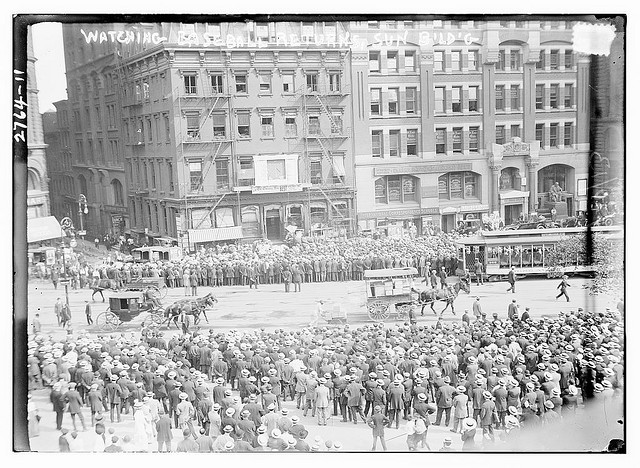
40, 229
513, 194
197, 236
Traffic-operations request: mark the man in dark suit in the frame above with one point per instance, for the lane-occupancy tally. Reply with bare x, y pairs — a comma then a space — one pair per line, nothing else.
377, 423
113, 397
396, 401
511, 278
512, 311
443, 278
444, 401
478, 269
354, 393
563, 288
487, 415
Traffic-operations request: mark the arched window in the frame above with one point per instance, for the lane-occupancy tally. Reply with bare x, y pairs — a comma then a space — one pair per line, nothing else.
118, 197
33, 181
458, 185
396, 189
510, 179
548, 176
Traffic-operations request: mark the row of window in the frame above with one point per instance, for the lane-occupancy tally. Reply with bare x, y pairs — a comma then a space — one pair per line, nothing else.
287, 83
151, 215
139, 131
457, 99
555, 135
95, 116
99, 153
390, 62
404, 188
267, 121
394, 144
392, 99
144, 172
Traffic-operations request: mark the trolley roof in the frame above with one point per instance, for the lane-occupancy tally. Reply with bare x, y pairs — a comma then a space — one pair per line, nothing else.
390, 273
535, 236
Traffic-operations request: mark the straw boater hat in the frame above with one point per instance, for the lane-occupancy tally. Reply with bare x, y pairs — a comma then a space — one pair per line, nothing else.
469, 424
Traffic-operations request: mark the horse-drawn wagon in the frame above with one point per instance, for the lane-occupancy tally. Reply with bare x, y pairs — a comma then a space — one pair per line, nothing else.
394, 290
390, 290
126, 306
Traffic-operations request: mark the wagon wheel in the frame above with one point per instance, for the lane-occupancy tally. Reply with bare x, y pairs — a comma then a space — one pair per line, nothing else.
153, 320
107, 321
162, 290
402, 312
378, 311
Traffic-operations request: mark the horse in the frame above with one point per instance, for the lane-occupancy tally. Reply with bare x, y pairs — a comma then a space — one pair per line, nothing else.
100, 285
448, 295
193, 307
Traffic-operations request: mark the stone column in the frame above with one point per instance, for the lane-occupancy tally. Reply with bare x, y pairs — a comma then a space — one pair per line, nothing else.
532, 184
493, 188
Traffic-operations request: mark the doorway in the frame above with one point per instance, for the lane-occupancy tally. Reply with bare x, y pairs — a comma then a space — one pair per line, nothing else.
273, 224
512, 214
448, 222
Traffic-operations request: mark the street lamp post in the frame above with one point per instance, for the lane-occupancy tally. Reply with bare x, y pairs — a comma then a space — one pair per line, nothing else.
66, 223
82, 210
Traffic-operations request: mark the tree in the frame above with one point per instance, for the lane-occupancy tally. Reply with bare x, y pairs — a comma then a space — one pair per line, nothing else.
607, 260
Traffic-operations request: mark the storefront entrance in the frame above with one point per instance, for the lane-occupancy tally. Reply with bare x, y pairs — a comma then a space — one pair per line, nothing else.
273, 224
448, 222
512, 214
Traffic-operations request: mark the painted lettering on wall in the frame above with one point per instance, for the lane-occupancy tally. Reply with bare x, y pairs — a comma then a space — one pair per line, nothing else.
123, 37
249, 40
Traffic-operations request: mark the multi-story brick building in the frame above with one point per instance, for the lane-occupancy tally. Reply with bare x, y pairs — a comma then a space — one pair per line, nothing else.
243, 130
94, 131
237, 130
458, 119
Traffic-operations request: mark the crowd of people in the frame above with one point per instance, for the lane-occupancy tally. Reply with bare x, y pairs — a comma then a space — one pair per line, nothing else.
483, 379
264, 263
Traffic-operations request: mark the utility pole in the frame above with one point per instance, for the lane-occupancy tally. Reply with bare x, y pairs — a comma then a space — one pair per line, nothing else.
66, 223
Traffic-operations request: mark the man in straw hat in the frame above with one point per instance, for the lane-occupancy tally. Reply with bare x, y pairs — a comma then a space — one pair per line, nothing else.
468, 434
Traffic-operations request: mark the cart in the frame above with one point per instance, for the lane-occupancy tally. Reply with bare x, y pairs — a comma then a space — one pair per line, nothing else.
140, 284
390, 290
334, 314
124, 307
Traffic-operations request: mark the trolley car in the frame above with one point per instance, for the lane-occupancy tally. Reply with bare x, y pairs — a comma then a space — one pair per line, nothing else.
526, 250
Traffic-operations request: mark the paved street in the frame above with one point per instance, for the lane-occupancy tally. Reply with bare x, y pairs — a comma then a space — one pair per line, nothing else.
270, 307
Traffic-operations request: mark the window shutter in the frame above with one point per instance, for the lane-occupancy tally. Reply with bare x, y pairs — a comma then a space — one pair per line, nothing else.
447, 100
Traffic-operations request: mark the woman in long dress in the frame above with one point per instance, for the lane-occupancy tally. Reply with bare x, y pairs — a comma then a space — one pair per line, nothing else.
140, 440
